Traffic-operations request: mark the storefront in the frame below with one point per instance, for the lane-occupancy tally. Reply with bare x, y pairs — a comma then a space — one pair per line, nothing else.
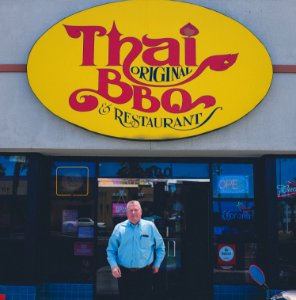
217, 216
180, 114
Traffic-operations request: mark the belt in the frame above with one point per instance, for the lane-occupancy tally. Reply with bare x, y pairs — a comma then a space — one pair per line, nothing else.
136, 269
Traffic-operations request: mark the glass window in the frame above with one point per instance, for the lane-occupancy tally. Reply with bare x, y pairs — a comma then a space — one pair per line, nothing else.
13, 207
73, 222
234, 231
13, 175
286, 208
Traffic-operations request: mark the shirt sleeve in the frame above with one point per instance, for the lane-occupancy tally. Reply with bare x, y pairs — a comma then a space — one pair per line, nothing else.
112, 249
159, 247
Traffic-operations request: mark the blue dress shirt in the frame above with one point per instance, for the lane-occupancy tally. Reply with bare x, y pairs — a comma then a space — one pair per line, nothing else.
132, 246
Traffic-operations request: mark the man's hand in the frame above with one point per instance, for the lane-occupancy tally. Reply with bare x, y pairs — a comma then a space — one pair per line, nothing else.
116, 272
155, 269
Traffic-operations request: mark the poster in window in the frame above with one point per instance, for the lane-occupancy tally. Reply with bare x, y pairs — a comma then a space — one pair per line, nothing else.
83, 249
72, 181
85, 232
69, 220
226, 256
119, 209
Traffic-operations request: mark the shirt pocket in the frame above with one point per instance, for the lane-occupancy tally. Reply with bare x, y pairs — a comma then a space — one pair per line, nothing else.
145, 243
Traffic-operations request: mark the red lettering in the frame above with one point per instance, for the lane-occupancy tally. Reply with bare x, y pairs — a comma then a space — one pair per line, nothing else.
79, 101
176, 108
140, 93
105, 81
84, 100
89, 33
115, 45
173, 51
190, 52
186, 101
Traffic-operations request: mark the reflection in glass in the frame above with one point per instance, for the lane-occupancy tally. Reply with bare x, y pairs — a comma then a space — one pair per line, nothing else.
153, 170
13, 217
13, 175
233, 221
286, 225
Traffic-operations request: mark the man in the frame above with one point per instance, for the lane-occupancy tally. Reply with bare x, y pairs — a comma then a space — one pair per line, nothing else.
130, 253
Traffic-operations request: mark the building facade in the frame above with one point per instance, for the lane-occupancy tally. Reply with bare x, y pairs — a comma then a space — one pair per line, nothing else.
222, 200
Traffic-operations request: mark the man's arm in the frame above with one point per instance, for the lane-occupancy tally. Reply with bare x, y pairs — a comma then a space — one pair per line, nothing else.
112, 252
159, 250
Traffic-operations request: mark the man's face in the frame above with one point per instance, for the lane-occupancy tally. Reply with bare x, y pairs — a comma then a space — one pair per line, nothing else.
134, 213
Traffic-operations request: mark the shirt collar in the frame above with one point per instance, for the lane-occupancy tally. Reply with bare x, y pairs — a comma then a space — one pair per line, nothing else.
134, 225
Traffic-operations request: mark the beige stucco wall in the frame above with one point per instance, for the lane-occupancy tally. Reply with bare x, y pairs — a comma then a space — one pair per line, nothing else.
26, 125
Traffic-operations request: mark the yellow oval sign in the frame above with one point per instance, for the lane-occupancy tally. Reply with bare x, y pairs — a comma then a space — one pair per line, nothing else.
149, 70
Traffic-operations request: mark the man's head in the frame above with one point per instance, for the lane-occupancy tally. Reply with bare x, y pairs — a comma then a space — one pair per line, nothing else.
134, 211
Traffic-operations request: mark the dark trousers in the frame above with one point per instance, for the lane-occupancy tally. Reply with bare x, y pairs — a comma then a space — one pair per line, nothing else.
135, 284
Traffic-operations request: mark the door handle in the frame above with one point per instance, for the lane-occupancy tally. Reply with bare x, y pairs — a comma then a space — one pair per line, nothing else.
169, 248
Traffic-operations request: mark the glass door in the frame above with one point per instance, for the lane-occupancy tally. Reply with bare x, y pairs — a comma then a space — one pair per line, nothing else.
180, 210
